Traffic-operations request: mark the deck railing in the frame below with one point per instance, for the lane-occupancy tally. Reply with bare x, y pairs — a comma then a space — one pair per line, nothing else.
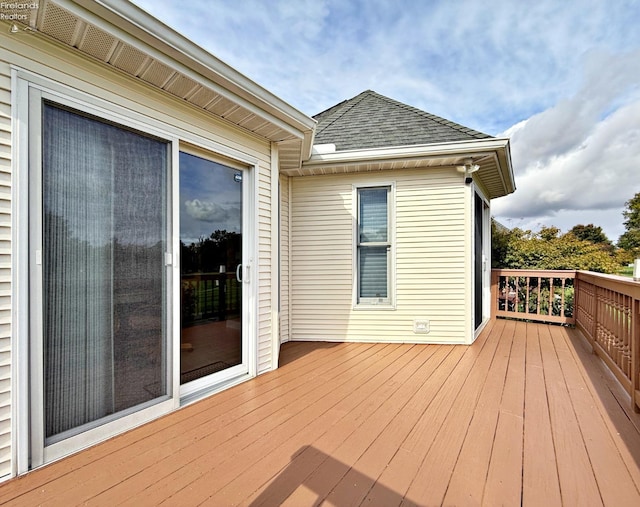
537, 295
605, 308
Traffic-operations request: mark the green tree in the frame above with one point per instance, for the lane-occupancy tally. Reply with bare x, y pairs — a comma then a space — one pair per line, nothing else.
500, 237
632, 213
549, 249
630, 240
590, 233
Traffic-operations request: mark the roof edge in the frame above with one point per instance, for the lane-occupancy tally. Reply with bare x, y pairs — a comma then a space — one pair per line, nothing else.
447, 148
142, 26
496, 147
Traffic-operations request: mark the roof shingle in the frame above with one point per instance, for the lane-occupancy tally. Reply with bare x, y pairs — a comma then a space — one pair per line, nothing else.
371, 120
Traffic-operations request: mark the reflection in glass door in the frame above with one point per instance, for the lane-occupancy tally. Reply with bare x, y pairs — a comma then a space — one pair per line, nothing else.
210, 268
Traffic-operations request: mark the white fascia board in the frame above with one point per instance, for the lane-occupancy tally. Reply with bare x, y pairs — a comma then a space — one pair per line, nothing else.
307, 144
131, 24
502, 159
428, 151
495, 148
508, 170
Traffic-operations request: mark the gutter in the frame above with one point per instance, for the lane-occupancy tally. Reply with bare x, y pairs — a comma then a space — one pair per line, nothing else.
437, 150
494, 148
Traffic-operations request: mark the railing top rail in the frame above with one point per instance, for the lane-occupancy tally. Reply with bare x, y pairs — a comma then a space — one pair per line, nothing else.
555, 273
617, 283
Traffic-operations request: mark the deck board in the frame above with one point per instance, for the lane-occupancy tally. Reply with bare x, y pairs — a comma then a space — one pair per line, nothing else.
540, 484
430, 483
615, 484
469, 477
578, 484
322, 393
526, 416
402, 470
504, 480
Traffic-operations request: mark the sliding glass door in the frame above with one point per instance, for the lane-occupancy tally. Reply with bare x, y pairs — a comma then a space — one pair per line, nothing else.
100, 227
211, 271
138, 273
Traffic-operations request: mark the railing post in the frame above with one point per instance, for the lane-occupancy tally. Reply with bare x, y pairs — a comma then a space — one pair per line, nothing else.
576, 298
596, 311
494, 294
635, 355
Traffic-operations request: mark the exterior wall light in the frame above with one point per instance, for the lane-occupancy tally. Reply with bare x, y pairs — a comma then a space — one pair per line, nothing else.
468, 169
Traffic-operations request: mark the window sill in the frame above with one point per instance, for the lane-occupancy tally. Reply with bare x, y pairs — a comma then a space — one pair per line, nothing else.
372, 306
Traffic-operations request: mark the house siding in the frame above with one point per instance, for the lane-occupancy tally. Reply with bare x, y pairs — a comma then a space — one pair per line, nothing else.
51, 61
431, 252
284, 259
5, 270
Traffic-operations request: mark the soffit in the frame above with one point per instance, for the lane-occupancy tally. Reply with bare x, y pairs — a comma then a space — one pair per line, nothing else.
231, 101
492, 155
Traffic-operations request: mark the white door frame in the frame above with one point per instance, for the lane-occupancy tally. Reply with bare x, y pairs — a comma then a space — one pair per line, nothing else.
486, 261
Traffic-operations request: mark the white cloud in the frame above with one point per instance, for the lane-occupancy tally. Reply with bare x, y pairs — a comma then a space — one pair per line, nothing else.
484, 64
597, 174
211, 211
560, 77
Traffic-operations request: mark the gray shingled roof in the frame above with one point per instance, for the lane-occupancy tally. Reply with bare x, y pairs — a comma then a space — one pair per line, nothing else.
371, 120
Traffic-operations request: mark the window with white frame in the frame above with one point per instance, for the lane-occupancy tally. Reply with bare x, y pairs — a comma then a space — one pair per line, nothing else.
374, 245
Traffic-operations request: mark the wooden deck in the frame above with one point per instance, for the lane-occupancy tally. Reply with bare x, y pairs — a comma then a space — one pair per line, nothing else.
524, 416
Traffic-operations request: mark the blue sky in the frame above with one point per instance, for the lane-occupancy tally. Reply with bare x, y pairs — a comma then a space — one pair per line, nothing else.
560, 78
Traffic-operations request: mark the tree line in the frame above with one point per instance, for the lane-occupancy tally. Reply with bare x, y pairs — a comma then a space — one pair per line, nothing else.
584, 247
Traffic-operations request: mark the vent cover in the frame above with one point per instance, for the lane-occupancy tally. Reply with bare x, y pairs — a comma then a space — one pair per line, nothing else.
59, 23
97, 43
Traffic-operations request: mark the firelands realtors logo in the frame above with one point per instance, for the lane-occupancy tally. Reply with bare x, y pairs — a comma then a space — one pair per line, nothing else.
16, 11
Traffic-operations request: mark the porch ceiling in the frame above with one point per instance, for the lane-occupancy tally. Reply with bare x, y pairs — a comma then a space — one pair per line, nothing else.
524, 416
124, 37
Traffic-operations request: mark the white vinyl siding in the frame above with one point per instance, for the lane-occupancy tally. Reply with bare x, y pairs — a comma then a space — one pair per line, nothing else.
5, 270
429, 268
